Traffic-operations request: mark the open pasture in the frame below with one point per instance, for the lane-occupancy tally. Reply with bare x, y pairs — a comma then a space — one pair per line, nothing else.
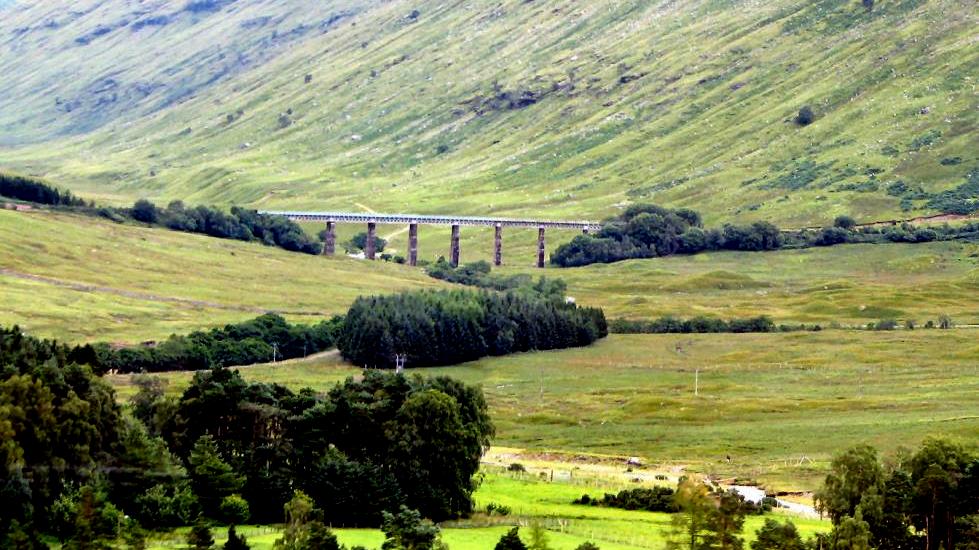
772, 407
83, 279
846, 284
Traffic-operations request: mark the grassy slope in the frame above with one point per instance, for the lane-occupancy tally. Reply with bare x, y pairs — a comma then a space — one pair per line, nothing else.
151, 282
850, 284
686, 103
767, 401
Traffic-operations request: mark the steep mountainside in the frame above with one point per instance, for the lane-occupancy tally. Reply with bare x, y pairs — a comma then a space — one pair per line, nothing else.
572, 108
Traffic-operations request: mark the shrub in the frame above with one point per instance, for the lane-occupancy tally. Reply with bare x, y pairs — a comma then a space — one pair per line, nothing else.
805, 116
145, 211
844, 222
830, 236
885, 324
511, 541
656, 499
200, 537
359, 242
777, 536
234, 510
516, 467
235, 541
499, 509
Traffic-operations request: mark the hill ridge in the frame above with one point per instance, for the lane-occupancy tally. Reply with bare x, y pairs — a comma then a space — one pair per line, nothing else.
520, 107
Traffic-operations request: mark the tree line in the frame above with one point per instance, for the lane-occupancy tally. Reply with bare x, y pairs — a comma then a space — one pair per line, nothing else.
260, 340
479, 274
240, 224
700, 324
649, 231
34, 190
78, 467
447, 327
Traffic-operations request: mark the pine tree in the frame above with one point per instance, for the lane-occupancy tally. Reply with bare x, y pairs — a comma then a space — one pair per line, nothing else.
200, 537
235, 541
511, 541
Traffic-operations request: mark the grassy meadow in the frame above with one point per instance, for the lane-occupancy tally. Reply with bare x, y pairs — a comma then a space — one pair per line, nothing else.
779, 405
846, 284
83, 279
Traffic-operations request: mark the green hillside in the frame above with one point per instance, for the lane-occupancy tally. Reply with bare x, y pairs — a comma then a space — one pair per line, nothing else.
85, 279
516, 107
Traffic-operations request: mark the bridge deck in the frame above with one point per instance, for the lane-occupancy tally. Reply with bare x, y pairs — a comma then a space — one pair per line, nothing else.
429, 220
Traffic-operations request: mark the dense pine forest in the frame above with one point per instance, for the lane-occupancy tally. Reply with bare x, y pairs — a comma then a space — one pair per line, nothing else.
448, 327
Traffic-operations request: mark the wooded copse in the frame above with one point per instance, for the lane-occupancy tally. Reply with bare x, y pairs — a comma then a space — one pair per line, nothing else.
925, 500
649, 231
241, 224
29, 189
78, 466
264, 339
433, 328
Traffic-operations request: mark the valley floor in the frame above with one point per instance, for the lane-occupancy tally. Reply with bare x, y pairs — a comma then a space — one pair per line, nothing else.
771, 407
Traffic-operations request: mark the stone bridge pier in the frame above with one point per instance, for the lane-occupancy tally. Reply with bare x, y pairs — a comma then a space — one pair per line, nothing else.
456, 222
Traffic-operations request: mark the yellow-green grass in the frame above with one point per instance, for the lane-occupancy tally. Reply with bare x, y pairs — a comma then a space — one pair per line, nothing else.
96, 280
779, 405
531, 499
846, 284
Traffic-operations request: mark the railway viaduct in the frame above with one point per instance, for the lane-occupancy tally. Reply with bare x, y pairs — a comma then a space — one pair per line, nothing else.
331, 219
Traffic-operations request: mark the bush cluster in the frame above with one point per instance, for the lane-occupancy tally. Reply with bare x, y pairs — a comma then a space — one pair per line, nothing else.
241, 224
672, 325
245, 343
479, 274
648, 231
449, 327
655, 499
